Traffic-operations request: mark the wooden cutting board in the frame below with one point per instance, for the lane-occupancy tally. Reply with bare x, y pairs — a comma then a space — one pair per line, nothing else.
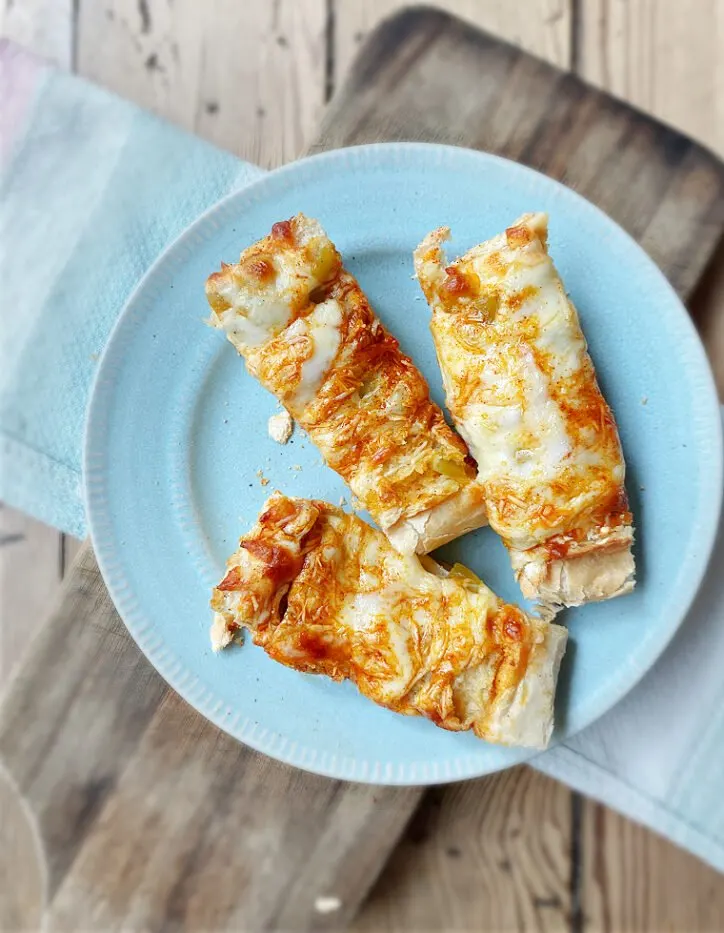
145, 816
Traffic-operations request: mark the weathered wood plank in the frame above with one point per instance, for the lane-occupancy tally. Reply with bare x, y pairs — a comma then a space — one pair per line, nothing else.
542, 27
707, 308
465, 88
33, 558
69, 550
46, 27
21, 860
106, 752
30, 571
284, 836
635, 881
492, 854
661, 55
252, 83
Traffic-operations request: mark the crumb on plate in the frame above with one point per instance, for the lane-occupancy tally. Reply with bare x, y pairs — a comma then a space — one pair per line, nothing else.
280, 427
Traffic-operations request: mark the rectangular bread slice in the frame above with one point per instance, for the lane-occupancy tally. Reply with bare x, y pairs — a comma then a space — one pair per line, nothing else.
309, 335
324, 593
522, 391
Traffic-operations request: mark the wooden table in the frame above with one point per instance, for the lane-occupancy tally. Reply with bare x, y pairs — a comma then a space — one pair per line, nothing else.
539, 856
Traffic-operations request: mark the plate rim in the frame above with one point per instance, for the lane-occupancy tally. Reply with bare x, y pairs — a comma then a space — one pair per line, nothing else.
105, 547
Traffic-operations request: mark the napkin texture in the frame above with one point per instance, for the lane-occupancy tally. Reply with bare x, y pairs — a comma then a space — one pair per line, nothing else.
658, 755
91, 191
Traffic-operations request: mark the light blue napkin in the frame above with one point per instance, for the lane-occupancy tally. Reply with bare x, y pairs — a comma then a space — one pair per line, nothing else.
91, 190
658, 756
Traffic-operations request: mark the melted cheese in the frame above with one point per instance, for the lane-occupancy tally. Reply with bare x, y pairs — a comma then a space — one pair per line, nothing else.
256, 299
323, 328
254, 322
322, 592
526, 439
373, 617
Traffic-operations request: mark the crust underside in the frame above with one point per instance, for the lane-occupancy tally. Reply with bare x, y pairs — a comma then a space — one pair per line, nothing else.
527, 718
456, 516
602, 570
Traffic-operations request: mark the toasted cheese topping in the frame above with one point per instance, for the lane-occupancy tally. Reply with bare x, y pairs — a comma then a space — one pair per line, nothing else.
322, 592
323, 353
523, 393
323, 326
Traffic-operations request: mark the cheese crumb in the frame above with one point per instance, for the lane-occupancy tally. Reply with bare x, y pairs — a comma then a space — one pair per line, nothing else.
327, 905
280, 427
262, 479
296, 467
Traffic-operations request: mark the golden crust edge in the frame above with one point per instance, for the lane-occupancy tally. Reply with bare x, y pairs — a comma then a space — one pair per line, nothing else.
430, 529
602, 570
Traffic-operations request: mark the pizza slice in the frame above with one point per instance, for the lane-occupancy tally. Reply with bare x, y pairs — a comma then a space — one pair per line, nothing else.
324, 593
308, 333
522, 391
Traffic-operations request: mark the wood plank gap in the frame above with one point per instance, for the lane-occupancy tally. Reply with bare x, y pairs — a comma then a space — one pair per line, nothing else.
61, 554
330, 39
576, 42
576, 921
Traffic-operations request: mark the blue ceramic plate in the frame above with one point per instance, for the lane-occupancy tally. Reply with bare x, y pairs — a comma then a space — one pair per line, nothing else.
177, 432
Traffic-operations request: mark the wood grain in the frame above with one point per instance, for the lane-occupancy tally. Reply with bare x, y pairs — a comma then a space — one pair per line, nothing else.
111, 762
661, 55
21, 862
542, 27
490, 854
33, 561
253, 84
463, 87
707, 308
238, 842
30, 573
633, 880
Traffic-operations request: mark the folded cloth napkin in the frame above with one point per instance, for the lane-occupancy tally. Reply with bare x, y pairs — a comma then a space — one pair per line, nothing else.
658, 755
92, 190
